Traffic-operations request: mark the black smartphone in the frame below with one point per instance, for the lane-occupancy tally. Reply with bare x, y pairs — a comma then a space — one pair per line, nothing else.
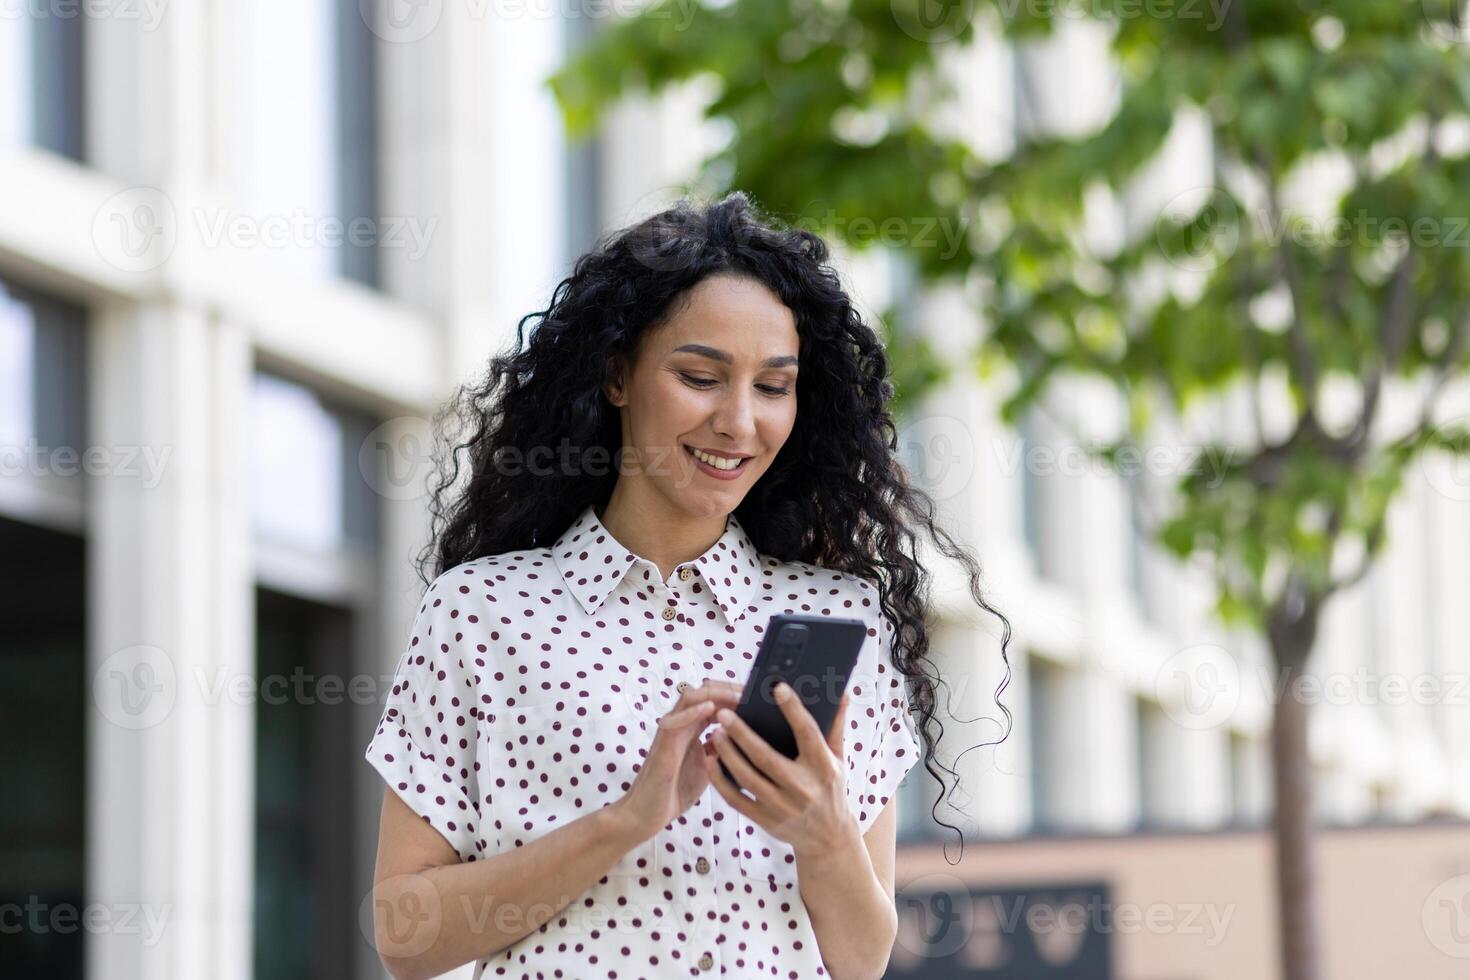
815, 655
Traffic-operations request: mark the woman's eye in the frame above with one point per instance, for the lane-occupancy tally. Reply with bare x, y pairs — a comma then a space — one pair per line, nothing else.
772, 390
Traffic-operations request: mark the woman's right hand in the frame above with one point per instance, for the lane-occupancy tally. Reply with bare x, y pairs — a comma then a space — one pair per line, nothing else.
672, 775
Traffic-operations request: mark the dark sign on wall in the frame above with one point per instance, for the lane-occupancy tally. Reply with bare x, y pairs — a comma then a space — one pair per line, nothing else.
1060, 931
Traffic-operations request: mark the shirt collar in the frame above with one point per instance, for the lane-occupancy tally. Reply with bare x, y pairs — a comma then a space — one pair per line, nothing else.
592, 563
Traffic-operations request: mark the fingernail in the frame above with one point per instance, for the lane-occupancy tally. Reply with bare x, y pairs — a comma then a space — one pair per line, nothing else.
783, 691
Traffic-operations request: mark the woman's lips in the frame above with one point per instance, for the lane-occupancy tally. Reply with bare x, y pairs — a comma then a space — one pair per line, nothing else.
715, 472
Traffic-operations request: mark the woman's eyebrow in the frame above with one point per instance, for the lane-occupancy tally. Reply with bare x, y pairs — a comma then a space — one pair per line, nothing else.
784, 360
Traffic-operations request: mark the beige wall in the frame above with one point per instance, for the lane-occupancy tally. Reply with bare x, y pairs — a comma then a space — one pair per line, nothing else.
1394, 900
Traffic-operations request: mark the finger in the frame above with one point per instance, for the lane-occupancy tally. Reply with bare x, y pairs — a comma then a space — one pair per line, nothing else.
728, 790
693, 697
719, 692
723, 690
687, 717
839, 727
750, 778
809, 740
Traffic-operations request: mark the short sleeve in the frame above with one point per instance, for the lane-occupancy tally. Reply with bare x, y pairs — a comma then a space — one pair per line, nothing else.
890, 743
424, 747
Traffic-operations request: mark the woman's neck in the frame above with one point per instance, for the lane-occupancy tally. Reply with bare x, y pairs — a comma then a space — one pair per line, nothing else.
665, 538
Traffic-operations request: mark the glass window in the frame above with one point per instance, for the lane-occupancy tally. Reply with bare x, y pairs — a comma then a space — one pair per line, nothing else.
1138, 540
44, 698
41, 78
1031, 493
915, 821
296, 484
357, 140
43, 398
15, 81
305, 914
1152, 729
307, 489
583, 165
1378, 631
44, 702
305, 133
1048, 762
310, 495
1249, 780
17, 370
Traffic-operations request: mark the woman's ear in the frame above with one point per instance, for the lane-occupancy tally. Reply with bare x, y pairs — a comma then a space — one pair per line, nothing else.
613, 387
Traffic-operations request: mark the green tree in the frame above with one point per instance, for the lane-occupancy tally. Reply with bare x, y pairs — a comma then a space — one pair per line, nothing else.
835, 113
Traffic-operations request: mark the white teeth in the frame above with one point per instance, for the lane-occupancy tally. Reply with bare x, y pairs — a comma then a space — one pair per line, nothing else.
715, 461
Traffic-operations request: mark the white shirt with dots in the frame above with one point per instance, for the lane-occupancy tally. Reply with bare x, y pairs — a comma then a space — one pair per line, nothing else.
529, 695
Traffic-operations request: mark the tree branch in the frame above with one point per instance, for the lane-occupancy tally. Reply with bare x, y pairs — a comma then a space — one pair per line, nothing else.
1371, 543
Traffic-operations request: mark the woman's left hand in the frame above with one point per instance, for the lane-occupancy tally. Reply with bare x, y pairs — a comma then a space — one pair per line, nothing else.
801, 801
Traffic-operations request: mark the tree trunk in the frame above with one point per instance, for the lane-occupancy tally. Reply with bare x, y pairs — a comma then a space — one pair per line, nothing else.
1292, 824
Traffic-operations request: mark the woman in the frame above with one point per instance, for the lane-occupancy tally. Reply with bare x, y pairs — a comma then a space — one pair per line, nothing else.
695, 438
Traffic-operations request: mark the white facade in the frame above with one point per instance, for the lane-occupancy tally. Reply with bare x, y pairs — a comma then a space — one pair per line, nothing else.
1154, 715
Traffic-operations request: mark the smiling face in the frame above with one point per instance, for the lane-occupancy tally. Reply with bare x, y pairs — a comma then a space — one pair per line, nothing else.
718, 377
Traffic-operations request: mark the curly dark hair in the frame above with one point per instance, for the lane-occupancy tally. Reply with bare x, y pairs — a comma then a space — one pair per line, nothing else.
836, 495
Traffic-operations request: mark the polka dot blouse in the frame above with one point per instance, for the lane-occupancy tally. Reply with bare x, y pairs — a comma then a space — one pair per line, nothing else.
529, 695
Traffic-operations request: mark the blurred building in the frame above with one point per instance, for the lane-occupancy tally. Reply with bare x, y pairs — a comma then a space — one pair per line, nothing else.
1137, 778
247, 249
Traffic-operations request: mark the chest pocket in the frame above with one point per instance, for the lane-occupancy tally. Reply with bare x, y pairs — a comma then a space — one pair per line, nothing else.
553, 763
767, 864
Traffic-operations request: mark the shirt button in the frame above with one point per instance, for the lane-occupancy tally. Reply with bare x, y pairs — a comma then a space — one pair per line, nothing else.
702, 865
685, 573
706, 961
682, 685
669, 612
